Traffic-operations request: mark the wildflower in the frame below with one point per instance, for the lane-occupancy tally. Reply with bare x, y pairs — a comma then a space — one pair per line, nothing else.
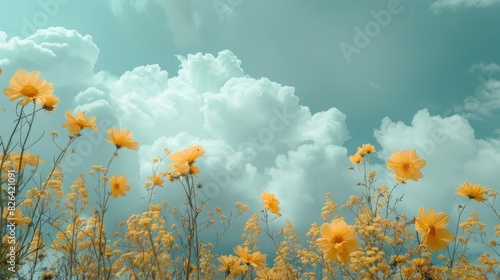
121, 138
183, 161
48, 274
16, 216
420, 262
355, 158
76, 124
270, 202
254, 259
20, 163
118, 185
158, 181
28, 86
48, 102
433, 226
406, 165
475, 192
338, 241
232, 265
372, 175
267, 274
365, 149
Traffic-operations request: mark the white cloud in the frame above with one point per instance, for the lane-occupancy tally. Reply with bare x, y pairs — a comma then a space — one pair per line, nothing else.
255, 132
63, 56
484, 103
488, 68
440, 5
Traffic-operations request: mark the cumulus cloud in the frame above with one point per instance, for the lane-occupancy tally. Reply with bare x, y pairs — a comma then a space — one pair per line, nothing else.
487, 68
255, 131
63, 56
484, 103
440, 5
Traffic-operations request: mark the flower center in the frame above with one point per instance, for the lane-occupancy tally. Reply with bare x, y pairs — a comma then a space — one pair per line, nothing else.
432, 231
338, 239
406, 166
116, 186
29, 91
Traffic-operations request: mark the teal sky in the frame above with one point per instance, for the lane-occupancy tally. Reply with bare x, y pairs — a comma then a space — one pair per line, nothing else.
433, 67
420, 59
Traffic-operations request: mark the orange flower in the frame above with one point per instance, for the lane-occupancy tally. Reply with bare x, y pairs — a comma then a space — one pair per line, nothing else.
475, 192
232, 265
183, 161
158, 181
338, 241
254, 259
355, 158
271, 203
433, 226
76, 124
48, 102
16, 217
118, 185
19, 163
28, 86
406, 165
366, 149
121, 138
268, 274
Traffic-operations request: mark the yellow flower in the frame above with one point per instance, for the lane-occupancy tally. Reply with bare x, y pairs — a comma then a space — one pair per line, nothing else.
48, 274
158, 181
254, 259
406, 165
433, 226
270, 202
121, 138
28, 86
20, 163
267, 274
118, 185
48, 102
16, 217
76, 124
183, 161
366, 149
355, 158
475, 192
338, 241
232, 265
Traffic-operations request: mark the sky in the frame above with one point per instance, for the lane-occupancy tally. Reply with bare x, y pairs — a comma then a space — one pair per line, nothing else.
279, 93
